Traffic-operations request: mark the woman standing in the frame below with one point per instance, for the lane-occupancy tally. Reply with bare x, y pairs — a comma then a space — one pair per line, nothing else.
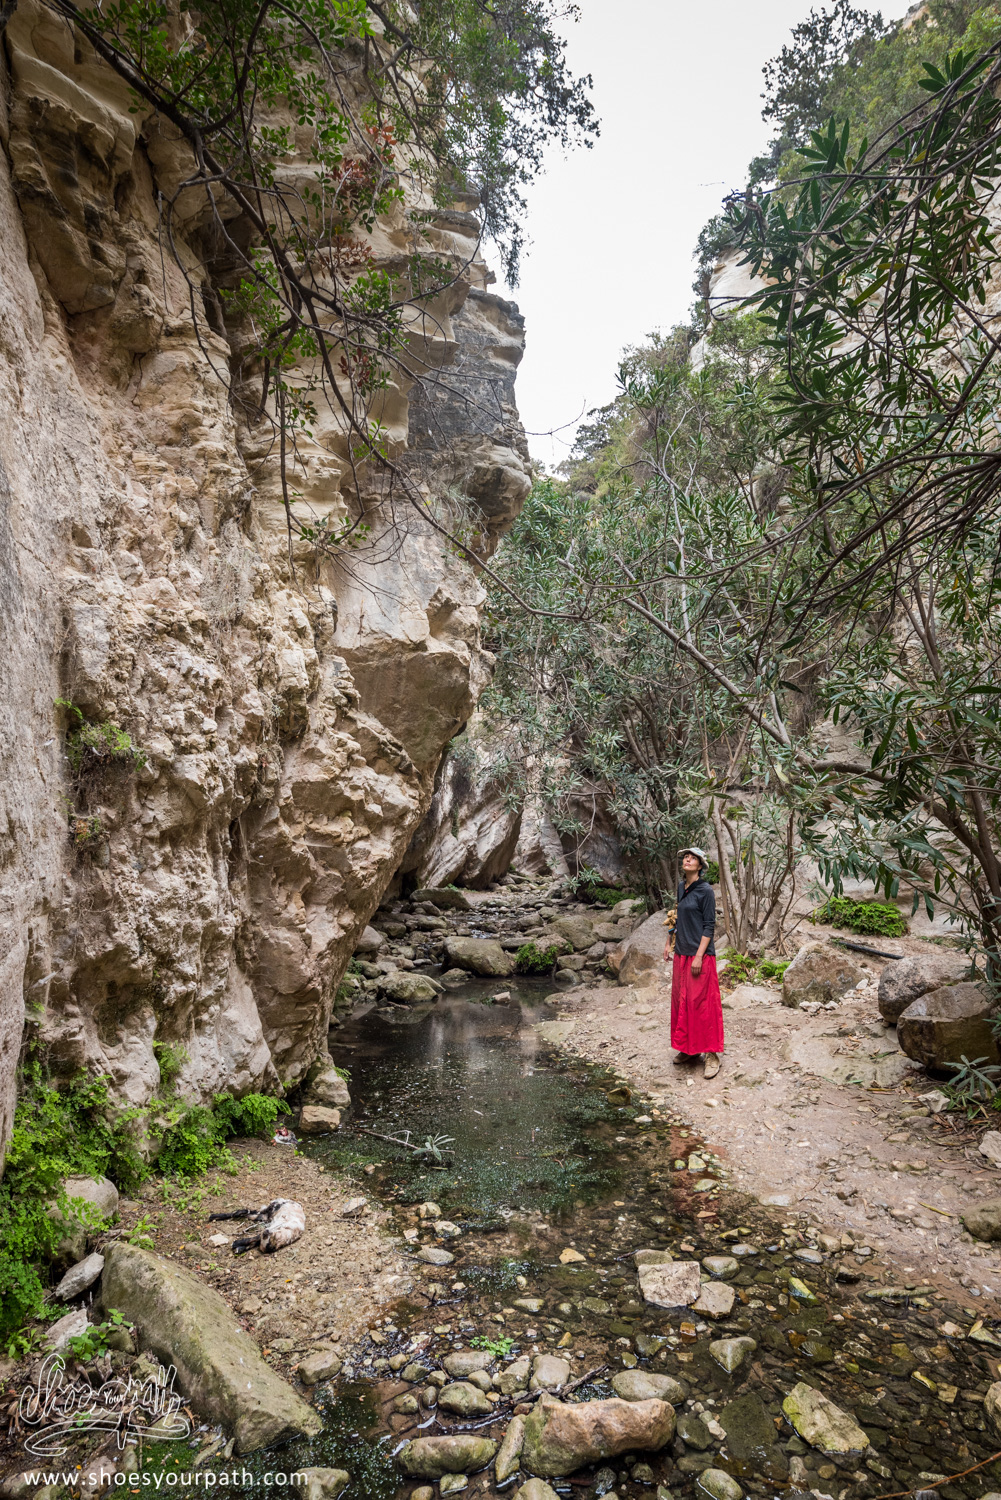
696, 1003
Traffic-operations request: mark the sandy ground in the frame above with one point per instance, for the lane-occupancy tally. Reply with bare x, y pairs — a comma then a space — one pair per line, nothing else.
837, 1150
324, 1290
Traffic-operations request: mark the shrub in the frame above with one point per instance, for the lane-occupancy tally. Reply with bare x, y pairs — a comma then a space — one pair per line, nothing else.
88, 745
772, 968
170, 1057
871, 918
195, 1139
531, 959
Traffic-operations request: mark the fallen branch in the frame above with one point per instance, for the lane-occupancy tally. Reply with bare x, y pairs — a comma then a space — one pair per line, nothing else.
393, 1139
949, 1479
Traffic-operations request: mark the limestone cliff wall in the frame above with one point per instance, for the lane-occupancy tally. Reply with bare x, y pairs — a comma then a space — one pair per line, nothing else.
291, 724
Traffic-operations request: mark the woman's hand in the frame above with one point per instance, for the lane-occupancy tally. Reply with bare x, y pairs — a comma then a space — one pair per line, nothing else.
697, 965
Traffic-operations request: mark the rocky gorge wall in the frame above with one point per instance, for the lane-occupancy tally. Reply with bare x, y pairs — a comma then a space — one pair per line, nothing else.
207, 893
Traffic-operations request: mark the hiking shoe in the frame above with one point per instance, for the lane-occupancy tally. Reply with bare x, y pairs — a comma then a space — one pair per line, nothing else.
681, 1058
712, 1065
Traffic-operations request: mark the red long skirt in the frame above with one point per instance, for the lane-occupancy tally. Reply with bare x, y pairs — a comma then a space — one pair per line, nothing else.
696, 1007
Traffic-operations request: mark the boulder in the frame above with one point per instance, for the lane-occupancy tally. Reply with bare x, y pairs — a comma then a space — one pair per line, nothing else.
751, 1439
320, 1484
431, 1457
730, 1354
319, 1364
549, 1372
717, 1484
822, 1424
640, 958
78, 1278
902, 983
465, 1399
560, 1438
445, 897
578, 931
715, 1300
675, 1285
92, 1202
328, 1087
479, 956
990, 1147
409, 989
819, 972
219, 1368
370, 942
940, 1028
317, 1119
537, 1489
642, 1385
983, 1219
464, 1361
508, 1460
72, 1326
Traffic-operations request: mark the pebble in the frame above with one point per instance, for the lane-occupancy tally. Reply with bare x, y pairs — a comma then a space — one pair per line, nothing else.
731, 1353
718, 1485
432, 1255
716, 1300
720, 1267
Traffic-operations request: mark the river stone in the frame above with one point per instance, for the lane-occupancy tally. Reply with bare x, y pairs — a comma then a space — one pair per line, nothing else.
529, 1304
718, 1485
940, 1028
78, 1278
578, 931
409, 989
219, 1368
454, 979
444, 897
453, 1484
549, 1372
983, 1219
432, 1255
822, 1424
751, 1439
560, 1438
515, 1376
649, 1344
640, 958
423, 1492
902, 983
479, 956
720, 1267
369, 943
464, 1361
431, 1457
990, 1147
652, 1257
715, 1300
92, 1201
675, 1285
415, 1373
317, 1119
328, 1087
819, 972
693, 1431
508, 1460
481, 1379
992, 1406
538, 1489
642, 1385
465, 1399
731, 1353
320, 1484
319, 1364
72, 1325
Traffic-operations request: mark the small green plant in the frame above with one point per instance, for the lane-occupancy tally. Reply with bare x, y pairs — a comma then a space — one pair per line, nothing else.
773, 968
436, 1147
343, 1073
89, 745
170, 1057
870, 918
497, 1347
96, 1339
974, 1086
196, 1134
740, 967
531, 959
254, 1114
141, 1233
22, 1343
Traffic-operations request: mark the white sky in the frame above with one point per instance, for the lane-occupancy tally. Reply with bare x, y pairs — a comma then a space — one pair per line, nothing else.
677, 87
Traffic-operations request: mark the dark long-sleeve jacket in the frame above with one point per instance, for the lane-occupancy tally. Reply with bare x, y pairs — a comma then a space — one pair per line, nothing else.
696, 917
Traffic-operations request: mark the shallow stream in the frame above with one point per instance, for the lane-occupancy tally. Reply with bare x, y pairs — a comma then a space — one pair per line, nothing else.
547, 1157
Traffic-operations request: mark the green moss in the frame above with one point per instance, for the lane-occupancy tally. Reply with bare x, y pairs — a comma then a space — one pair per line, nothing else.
871, 918
531, 959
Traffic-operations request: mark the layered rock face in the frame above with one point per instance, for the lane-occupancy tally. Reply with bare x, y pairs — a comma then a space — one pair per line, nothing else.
207, 892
